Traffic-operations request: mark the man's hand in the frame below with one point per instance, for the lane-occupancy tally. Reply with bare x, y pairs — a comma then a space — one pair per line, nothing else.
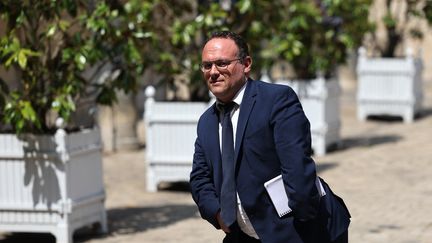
222, 224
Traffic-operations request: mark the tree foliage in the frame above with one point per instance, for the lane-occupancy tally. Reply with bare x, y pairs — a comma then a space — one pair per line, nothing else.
397, 21
312, 35
52, 44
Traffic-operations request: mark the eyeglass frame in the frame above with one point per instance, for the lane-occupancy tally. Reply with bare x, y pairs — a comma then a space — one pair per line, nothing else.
224, 63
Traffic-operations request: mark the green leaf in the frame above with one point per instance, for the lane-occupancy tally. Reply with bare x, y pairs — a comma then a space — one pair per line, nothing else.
51, 30
19, 126
22, 59
27, 111
244, 6
63, 25
141, 35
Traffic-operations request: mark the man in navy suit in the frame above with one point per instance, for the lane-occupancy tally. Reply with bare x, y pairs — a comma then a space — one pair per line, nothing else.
271, 137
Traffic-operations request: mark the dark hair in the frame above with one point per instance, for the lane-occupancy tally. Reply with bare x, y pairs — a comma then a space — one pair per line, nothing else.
238, 40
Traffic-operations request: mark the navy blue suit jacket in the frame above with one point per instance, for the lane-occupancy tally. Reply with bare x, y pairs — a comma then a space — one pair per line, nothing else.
272, 138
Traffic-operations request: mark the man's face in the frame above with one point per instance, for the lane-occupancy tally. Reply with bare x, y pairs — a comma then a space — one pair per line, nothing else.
227, 74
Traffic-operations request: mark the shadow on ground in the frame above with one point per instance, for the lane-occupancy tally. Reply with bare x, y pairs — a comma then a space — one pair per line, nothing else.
352, 142
27, 238
397, 119
322, 166
180, 186
425, 113
139, 219
132, 220
120, 221
385, 119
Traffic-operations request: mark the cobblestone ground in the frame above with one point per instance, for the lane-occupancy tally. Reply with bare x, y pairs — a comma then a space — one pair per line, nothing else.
382, 169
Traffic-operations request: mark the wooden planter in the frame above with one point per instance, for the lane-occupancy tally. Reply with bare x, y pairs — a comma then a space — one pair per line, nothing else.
52, 183
170, 138
320, 99
389, 86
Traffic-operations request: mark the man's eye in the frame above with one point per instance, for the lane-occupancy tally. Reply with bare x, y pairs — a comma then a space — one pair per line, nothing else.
222, 63
207, 65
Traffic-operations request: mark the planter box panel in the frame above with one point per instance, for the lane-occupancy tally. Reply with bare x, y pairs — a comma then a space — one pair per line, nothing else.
386, 87
87, 213
185, 109
387, 108
389, 86
173, 172
10, 146
8, 192
45, 187
28, 185
321, 112
88, 139
90, 180
172, 141
314, 111
170, 138
14, 220
174, 112
390, 65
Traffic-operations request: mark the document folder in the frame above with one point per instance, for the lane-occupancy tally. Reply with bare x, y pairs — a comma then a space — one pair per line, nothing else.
276, 190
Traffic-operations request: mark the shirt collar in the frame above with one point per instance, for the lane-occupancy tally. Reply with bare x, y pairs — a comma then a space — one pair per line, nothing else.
239, 96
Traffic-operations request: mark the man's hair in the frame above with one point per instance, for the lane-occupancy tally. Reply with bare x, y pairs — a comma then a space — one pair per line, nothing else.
238, 40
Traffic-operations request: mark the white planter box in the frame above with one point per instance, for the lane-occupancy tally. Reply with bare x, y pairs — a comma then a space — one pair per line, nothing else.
389, 86
51, 184
170, 138
320, 99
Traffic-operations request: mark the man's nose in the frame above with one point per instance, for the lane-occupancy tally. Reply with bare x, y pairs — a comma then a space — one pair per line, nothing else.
213, 69
214, 72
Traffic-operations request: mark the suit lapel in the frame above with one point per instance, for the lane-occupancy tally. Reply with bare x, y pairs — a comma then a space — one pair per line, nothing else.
245, 110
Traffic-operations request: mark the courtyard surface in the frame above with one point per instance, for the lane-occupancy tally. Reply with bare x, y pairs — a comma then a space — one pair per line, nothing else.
382, 169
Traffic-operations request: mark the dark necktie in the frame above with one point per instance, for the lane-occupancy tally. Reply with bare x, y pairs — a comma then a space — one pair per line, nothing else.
228, 193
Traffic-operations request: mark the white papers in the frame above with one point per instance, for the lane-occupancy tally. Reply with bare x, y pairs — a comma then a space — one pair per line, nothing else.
276, 190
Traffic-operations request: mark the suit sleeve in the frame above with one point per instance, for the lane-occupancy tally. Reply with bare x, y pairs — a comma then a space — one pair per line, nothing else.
293, 145
202, 186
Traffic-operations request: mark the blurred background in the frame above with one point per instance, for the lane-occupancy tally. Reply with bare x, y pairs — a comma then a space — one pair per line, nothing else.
129, 69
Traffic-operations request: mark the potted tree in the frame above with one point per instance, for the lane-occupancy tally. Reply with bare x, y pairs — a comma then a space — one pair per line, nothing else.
389, 73
171, 124
62, 58
314, 38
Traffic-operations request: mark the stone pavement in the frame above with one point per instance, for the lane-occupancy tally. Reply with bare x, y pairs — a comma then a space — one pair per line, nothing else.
382, 169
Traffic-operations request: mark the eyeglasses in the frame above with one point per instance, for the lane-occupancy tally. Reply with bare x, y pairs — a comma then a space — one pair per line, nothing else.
220, 64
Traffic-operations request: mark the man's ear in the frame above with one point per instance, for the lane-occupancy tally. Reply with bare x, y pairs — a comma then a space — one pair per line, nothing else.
247, 62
